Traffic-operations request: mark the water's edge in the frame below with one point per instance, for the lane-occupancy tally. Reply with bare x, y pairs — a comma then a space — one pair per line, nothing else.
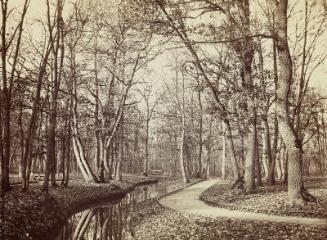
85, 203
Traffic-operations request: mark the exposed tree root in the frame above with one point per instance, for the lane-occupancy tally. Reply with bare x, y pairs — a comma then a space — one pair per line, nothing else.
308, 197
238, 183
301, 198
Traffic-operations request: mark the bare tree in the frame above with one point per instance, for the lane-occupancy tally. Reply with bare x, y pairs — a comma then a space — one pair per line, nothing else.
7, 41
149, 108
57, 47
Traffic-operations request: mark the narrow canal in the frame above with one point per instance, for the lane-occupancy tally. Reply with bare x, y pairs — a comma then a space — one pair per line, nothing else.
111, 220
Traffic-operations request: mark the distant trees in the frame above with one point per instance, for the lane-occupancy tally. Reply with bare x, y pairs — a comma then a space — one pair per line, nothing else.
257, 86
151, 103
120, 50
236, 103
289, 131
57, 87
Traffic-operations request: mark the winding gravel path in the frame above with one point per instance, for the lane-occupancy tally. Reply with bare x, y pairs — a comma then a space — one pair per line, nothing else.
188, 201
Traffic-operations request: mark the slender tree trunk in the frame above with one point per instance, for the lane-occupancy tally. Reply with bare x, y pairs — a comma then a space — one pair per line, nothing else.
264, 151
249, 168
268, 159
282, 159
118, 172
232, 153
257, 161
21, 135
66, 146
57, 45
271, 160
6, 89
5, 106
209, 149
200, 133
97, 125
223, 157
182, 158
31, 131
78, 148
146, 160
279, 161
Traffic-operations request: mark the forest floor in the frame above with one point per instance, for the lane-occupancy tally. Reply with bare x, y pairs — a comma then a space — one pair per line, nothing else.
269, 199
156, 221
30, 215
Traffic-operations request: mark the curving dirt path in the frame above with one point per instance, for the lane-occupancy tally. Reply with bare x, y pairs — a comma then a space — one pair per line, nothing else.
187, 200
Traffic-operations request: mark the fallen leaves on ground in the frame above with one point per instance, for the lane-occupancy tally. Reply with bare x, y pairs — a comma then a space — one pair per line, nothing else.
269, 199
33, 214
157, 222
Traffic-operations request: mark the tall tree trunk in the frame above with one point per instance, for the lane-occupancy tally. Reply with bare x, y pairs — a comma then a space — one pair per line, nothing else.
200, 133
31, 131
296, 193
279, 161
264, 151
282, 159
66, 146
146, 160
5, 106
182, 158
268, 159
21, 132
57, 45
78, 148
249, 168
245, 53
232, 153
276, 129
257, 161
223, 157
118, 172
209, 142
7, 87
97, 123
271, 160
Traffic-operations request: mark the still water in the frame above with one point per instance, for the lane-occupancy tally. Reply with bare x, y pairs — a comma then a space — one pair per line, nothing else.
112, 220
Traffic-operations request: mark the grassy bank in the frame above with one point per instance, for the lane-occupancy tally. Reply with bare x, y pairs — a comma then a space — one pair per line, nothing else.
33, 214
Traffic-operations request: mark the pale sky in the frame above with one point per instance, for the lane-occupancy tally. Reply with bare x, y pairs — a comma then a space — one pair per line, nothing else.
37, 9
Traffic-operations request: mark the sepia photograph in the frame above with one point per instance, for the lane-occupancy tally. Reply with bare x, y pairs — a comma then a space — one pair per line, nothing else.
163, 120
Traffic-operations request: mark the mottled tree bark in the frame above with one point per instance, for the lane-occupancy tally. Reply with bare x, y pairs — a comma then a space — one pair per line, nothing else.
296, 193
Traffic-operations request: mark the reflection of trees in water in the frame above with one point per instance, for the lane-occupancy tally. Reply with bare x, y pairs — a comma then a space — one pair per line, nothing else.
109, 221
112, 221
